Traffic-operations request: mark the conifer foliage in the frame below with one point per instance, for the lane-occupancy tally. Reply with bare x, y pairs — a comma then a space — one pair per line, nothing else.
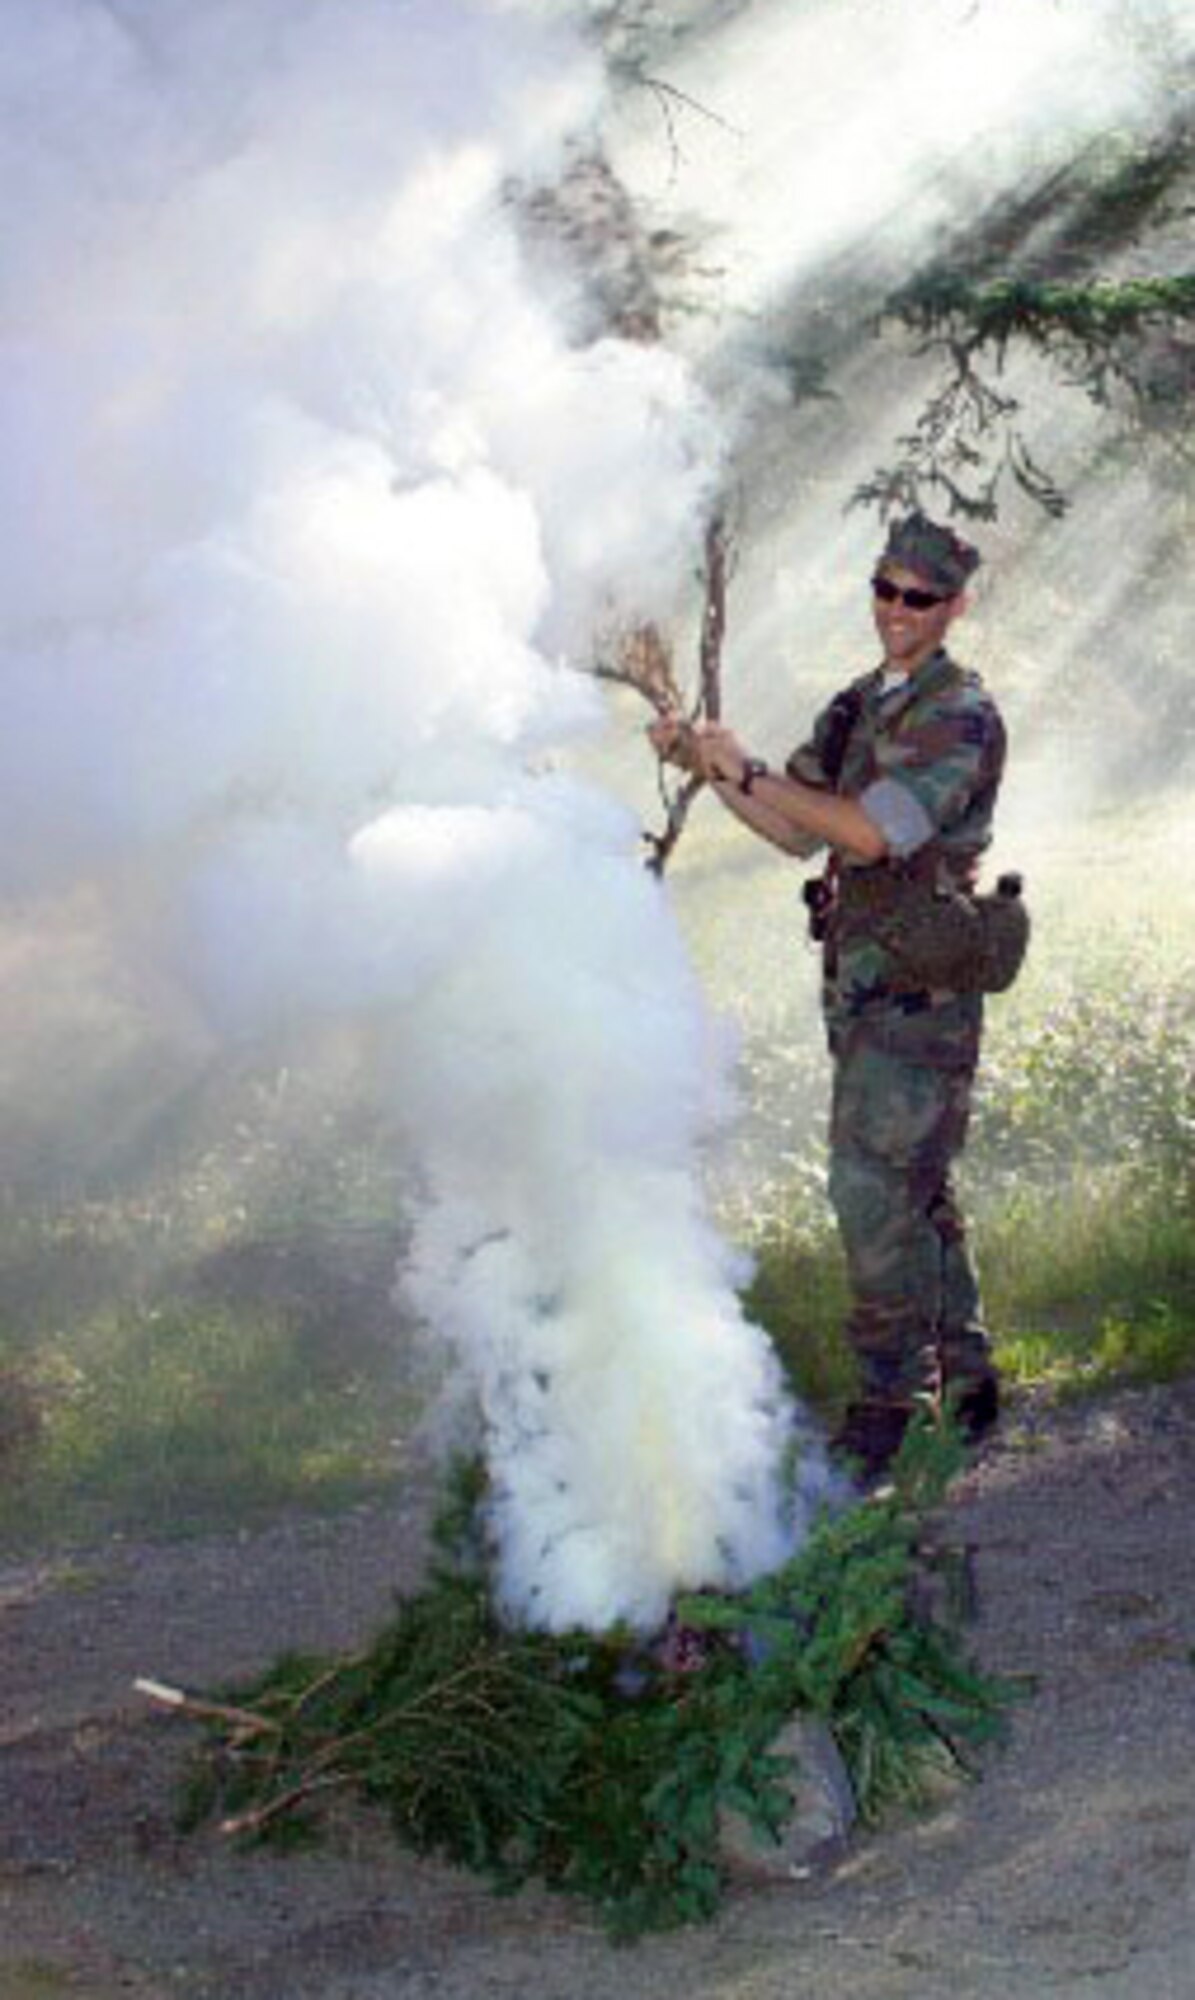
600, 1764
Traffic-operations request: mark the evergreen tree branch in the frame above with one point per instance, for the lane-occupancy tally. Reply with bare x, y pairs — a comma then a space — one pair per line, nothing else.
596, 1761
1133, 340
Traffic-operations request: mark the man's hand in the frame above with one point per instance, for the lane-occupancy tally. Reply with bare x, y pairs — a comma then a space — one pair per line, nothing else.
707, 749
718, 752
673, 739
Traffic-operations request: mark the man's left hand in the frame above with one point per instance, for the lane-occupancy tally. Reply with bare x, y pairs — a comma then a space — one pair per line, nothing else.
718, 752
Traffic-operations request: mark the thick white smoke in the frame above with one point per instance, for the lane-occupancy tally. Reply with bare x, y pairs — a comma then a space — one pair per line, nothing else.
304, 500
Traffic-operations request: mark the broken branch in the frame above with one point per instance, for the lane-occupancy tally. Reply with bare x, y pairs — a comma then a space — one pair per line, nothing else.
241, 1719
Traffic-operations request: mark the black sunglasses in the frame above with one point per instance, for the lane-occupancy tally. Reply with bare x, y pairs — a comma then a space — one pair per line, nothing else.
915, 600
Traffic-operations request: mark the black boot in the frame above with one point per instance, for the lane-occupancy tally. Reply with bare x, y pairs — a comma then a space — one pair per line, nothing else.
976, 1406
871, 1433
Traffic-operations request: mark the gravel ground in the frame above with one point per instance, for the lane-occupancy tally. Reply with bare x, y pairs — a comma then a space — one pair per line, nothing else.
1066, 1872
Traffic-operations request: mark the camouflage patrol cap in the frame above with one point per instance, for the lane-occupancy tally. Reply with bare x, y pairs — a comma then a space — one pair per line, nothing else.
934, 552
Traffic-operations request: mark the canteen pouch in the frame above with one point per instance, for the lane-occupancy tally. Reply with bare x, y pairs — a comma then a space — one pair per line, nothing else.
939, 938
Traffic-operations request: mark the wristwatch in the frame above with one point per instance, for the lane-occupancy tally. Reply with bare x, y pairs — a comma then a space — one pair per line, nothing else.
753, 768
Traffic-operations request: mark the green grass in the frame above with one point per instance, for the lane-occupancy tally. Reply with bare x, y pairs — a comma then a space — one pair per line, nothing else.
799, 1294
204, 1336
1093, 1287
191, 1415
1088, 1286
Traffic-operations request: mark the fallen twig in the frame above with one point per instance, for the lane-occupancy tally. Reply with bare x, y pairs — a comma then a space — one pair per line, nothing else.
261, 1816
243, 1719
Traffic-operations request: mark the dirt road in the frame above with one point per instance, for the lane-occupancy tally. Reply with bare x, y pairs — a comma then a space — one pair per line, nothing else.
1067, 1872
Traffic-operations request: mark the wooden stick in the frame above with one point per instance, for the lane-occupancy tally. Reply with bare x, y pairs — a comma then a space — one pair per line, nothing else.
660, 845
713, 623
174, 1698
253, 1822
709, 699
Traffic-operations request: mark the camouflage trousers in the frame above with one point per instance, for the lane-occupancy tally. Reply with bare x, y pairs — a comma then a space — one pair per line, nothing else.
895, 1129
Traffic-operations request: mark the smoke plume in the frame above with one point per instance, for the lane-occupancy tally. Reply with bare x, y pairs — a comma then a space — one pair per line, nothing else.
308, 506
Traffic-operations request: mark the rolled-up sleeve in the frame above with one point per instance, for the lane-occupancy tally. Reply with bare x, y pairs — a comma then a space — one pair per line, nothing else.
898, 814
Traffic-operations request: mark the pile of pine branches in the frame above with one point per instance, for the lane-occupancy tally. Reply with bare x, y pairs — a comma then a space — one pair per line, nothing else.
601, 1764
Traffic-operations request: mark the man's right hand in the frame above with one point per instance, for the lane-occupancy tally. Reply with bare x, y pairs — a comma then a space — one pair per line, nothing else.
673, 739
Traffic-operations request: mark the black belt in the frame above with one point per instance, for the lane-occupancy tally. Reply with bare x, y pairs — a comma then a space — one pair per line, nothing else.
919, 1002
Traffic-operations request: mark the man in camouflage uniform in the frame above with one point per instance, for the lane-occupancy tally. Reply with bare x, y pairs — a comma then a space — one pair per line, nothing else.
899, 781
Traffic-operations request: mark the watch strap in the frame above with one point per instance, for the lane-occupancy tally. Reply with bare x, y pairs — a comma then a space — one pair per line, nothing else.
754, 768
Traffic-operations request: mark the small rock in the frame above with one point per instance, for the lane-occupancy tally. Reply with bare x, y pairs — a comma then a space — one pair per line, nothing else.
823, 1814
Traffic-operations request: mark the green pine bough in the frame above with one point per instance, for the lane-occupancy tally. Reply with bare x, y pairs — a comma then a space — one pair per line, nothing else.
1129, 345
1092, 314
589, 1762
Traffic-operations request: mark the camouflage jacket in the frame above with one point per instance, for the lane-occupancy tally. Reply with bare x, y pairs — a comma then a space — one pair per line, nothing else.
925, 759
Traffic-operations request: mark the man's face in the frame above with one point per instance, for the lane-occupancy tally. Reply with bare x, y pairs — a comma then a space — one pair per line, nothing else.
907, 635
